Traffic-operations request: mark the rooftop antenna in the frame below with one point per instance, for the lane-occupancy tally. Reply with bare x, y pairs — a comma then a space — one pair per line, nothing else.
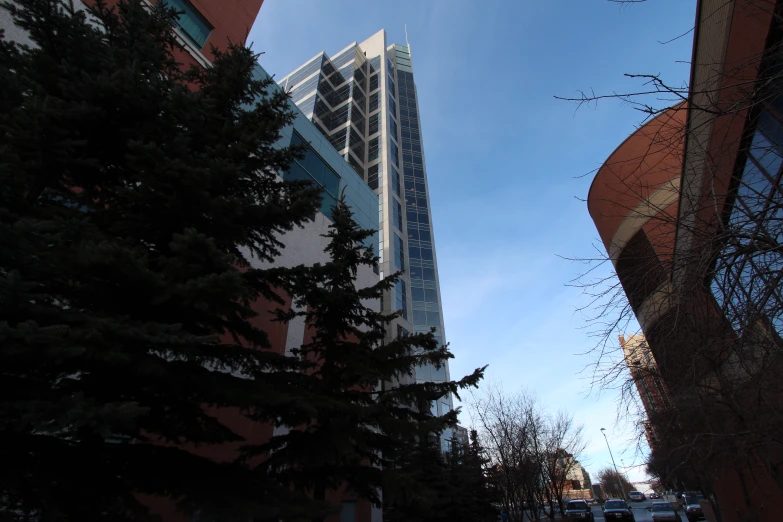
406, 39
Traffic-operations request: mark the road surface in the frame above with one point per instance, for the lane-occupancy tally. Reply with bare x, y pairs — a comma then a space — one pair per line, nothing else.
639, 511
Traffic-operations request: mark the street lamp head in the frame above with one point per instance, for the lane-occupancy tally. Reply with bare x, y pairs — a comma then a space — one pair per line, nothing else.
603, 429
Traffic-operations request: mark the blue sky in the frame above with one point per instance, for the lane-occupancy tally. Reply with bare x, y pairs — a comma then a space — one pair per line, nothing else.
504, 160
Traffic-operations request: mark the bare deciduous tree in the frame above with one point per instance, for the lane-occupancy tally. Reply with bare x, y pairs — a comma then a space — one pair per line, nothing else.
614, 484
530, 451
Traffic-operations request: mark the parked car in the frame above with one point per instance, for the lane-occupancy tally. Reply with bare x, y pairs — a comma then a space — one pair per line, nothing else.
691, 506
616, 509
663, 511
578, 510
636, 496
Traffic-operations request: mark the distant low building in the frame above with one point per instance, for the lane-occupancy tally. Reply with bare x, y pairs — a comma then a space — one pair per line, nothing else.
647, 379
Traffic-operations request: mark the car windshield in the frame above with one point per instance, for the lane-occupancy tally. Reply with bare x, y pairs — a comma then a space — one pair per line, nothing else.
662, 507
576, 505
615, 504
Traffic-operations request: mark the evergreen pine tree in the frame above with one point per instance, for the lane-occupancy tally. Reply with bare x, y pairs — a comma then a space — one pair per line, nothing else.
132, 196
367, 408
482, 497
419, 486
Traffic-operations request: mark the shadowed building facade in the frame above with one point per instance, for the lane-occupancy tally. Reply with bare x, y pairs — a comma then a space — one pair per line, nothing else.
201, 25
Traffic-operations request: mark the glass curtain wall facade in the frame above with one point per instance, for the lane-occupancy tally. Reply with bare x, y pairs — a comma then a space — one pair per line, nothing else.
364, 101
747, 282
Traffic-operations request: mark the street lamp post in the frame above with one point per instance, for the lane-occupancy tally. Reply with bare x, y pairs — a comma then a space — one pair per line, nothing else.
622, 489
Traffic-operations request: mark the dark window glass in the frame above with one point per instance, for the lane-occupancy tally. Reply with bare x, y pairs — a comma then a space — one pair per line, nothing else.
375, 64
340, 95
431, 296
374, 82
426, 253
395, 181
424, 235
375, 123
419, 316
389, 66
399, 253
348, 512
393, 128
417, 295
395, 153
313, 168
372, 176
359, 78
392, 106
192, 23
390, 84
416, 272
401, 298
433, 319
338, 139
356, 165
639, 269
397, 213
359, 93
375, 101
357, 118
357, 144
373, 149
428, 274
339, 116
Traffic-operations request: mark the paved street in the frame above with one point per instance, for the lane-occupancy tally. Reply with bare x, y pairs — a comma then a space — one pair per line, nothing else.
639, 511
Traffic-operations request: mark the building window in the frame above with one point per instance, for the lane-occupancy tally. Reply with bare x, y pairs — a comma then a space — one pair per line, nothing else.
375, 101
395, 181
191, 22
392, 106
397, 213
390, 84
348, 512
372, 176
401, 298
395, 153
313, 168
374, 82
393, 128
399, 253
373, 150
375, 125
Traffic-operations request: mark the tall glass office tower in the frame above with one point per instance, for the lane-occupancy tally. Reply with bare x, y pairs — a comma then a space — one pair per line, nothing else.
363, 99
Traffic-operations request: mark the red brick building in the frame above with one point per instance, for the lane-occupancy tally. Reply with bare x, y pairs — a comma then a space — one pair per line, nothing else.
202, 25
687, 208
